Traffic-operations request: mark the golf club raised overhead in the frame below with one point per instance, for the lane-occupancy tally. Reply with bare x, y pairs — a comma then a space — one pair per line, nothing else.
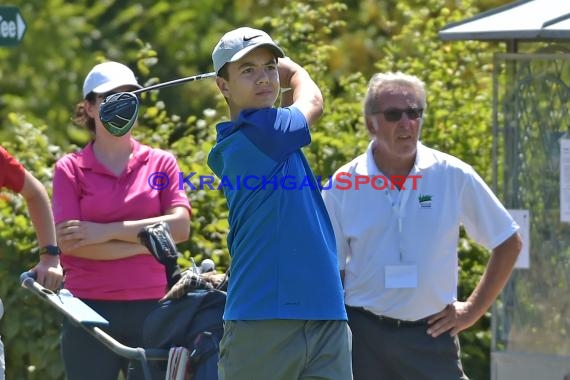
118, 112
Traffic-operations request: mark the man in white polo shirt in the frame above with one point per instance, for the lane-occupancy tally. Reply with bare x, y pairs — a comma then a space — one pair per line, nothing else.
397, 241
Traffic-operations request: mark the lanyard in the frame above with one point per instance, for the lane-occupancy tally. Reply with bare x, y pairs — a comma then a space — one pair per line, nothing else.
398, 208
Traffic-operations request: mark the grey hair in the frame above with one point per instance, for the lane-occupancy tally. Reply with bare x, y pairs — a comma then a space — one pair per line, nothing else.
382, 81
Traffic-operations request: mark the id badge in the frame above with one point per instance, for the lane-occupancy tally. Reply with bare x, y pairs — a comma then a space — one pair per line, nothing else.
403, 276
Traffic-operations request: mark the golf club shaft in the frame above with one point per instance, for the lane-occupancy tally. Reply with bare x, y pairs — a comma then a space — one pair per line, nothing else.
175, 82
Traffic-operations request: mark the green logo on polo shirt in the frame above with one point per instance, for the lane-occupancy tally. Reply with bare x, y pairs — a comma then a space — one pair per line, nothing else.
425, 200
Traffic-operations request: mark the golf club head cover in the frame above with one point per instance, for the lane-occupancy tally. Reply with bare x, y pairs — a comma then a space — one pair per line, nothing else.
189, 281
158, 240
118, 112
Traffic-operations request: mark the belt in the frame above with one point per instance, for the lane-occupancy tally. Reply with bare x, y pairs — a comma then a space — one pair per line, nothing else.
390, 321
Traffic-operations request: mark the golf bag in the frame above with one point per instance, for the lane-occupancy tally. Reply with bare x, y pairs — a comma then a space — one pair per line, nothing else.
194, 322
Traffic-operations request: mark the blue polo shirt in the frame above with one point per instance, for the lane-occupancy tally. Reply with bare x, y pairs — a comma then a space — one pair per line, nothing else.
281, 239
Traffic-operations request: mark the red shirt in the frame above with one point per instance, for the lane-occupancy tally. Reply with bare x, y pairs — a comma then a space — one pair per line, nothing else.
12, 173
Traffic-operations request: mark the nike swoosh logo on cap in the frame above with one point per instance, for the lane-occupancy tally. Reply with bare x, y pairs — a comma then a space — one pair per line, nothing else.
251, 38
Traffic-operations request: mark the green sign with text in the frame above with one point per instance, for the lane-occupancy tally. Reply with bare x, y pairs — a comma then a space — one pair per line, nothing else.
12, 26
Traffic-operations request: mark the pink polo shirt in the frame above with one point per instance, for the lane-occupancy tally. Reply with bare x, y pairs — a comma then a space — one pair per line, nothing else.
84, 189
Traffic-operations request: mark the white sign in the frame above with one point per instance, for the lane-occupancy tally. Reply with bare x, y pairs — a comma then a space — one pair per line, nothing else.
565, 180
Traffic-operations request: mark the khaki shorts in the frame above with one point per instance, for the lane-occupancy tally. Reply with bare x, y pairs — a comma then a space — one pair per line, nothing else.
285, 350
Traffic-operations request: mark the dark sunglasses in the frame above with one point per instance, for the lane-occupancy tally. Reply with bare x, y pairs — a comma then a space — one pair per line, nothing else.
394, 114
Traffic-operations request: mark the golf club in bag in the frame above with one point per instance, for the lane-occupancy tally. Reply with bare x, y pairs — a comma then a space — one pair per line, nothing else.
190, 322
118, 112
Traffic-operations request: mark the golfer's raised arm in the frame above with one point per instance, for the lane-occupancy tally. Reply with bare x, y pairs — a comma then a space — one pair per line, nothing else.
304, 92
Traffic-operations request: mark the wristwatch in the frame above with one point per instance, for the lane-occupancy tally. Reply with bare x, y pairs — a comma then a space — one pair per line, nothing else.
52, 250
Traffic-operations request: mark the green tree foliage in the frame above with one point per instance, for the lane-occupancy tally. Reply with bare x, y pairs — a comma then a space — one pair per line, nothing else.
341, 43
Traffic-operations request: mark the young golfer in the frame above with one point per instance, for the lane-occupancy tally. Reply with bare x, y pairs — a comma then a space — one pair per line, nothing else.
284, 317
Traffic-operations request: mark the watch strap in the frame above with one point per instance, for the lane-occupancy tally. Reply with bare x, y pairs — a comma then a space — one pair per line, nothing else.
52, 250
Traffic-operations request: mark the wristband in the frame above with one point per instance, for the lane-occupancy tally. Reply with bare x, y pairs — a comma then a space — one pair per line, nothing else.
52, 250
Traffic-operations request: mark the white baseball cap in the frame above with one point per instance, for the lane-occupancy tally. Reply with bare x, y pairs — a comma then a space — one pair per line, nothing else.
238, 42
108, 75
